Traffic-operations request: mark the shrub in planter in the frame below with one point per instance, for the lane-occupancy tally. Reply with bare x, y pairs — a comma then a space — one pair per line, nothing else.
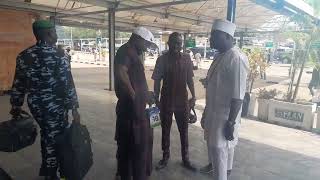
263, 102
258, 65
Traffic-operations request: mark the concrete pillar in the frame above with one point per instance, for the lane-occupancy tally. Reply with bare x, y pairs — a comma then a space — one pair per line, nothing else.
52, 19
231, 13
112, 48
205, 49
71, 37
81, 45
241, 40
184, 41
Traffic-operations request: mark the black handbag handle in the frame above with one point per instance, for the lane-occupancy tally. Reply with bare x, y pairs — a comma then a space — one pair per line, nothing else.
22, 114
194, 112
25, 113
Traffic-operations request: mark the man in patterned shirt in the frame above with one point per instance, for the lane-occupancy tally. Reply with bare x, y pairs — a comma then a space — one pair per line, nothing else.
44, 75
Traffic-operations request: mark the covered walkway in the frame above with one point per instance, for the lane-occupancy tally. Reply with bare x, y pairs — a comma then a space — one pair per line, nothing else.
265, 151
165, 16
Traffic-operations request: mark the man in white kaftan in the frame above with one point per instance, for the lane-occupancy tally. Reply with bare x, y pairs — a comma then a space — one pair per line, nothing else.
225, 90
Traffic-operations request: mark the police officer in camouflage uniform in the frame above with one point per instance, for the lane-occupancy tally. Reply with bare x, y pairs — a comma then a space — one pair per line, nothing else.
45, 76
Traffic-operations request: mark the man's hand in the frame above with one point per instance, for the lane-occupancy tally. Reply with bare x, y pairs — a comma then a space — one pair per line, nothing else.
192, 102
76, 116
133, 95
156, 99
203, 119
15, 111
311, 91
228, 130
158, 104
60, 52
202, 122
204, 82
151, 98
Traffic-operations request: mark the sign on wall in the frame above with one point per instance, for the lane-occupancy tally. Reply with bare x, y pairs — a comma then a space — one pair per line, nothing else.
315, 45
190, 43
269, 44
289, 115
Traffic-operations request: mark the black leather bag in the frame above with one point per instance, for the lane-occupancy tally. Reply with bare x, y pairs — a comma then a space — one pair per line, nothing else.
17, 133
74, 152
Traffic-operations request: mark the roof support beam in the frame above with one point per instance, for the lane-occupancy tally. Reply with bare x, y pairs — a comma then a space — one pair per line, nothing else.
130, 8
30, 7
112, 51
231, 13
159, 5
26, 6
121, 25
45, 10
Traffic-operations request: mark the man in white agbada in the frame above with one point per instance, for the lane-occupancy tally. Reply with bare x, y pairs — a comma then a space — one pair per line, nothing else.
225, 89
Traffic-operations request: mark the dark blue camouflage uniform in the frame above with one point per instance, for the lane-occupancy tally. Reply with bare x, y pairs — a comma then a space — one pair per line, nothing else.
45, 76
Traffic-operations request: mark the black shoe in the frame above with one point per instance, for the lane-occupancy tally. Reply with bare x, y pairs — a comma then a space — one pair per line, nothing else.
206, 169
162, 164
189, 166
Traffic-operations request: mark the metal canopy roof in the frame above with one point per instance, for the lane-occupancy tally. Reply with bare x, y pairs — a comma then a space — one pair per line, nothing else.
192, 16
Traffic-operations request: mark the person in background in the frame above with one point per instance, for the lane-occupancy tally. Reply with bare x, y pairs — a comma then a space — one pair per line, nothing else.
68, 54
63, 52
225, 90
188, 51
197, 58
314, 85
175, 69
133, 134
269, 56
44, 74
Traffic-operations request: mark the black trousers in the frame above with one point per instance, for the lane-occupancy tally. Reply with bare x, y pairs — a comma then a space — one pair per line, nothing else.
149, 157
181, 116
132, 160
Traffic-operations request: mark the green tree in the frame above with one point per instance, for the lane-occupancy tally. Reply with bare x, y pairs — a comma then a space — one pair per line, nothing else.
303, 51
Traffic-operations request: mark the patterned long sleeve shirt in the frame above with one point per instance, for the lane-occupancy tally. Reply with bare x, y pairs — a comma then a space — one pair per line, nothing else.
45, 76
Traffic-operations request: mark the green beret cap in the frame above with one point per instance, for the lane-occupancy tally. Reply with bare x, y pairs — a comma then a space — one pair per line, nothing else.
42, 24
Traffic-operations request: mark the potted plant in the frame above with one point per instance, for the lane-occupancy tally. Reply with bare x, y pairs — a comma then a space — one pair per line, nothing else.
258, 65
263, 97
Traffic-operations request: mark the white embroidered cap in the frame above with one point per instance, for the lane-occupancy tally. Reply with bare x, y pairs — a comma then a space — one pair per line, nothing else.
224, 26
144, 33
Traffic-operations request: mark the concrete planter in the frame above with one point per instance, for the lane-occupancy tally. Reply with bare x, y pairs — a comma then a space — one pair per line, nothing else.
317, 123
263, 109
253, 106
292, 114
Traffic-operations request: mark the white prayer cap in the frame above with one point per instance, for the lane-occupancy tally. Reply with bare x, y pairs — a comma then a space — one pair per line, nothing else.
224, 26
144, 33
